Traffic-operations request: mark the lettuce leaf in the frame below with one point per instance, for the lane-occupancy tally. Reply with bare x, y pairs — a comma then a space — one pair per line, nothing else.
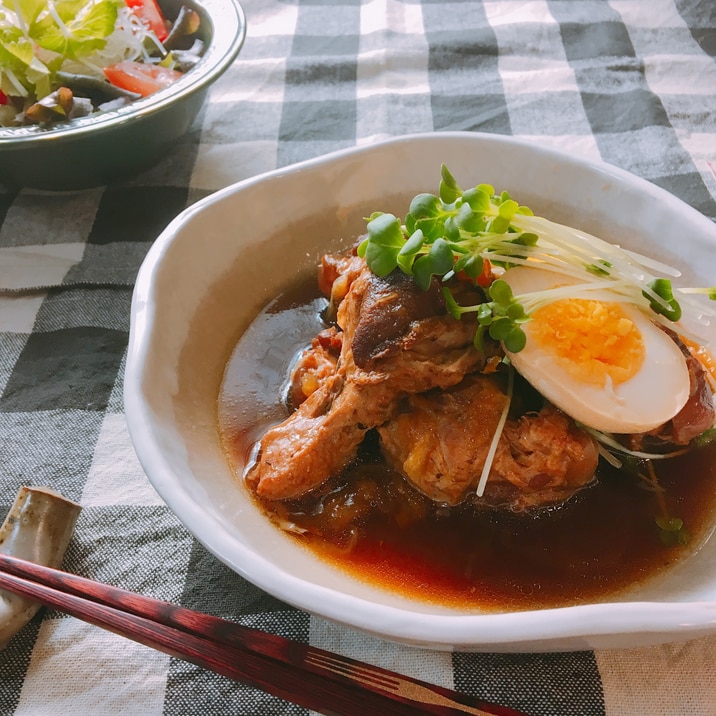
21, 73
71, 28
84, 27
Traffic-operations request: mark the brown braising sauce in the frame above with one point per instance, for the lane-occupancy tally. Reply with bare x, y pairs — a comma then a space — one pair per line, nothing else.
370, 523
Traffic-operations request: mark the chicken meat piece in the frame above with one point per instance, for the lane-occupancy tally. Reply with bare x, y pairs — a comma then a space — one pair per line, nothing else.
396, 340
697, 415
694, 418
440, 441
315, 365
335, 276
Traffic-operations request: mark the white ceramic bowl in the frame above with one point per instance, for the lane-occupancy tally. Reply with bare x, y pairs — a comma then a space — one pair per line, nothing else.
219, 262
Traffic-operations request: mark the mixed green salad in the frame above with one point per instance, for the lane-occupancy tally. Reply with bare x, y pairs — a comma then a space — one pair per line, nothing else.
62, 59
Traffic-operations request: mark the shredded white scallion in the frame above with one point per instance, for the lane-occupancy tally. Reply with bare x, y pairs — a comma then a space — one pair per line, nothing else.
609, 456
18, 18
582, 249
21, 91
52, 10
497, 435
610, 442
653, 264
625, 274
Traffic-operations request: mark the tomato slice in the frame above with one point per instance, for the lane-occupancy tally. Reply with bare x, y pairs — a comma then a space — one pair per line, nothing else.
140, 77
151, 14
3, 97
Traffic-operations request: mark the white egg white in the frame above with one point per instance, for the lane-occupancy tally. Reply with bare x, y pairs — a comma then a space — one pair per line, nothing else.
654, 395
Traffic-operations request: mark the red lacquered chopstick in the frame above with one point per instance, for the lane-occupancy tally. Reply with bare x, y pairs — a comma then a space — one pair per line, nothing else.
308, 676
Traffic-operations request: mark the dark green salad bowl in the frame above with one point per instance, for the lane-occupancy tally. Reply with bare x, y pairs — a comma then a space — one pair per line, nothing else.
110, 146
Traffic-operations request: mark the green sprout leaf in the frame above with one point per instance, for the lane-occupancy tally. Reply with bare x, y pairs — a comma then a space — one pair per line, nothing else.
479, 340
425, 205
500, 317
706, 438
499, 225
469, 220
409, 251
452, 230
450, 191
599, 268
672, 532
451, 304
662, 288
526, 238
516, 312
438, 261
515, 340
508, 208
500, 328
380, 259
471, 264
385, 240
484, 314
478, 199
385, 230
432, 228
500, 292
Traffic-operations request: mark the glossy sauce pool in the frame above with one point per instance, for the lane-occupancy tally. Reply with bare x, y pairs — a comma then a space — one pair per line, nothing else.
371, 524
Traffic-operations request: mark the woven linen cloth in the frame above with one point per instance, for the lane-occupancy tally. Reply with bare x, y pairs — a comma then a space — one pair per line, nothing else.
630, 82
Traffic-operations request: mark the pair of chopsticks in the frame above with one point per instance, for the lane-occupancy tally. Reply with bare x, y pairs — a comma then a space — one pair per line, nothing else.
307, 676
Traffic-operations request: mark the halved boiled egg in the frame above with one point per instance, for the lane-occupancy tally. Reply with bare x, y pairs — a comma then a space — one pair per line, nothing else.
606, 364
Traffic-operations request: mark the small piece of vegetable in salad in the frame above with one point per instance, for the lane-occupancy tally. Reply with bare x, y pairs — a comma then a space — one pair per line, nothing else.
61, 59
463, 231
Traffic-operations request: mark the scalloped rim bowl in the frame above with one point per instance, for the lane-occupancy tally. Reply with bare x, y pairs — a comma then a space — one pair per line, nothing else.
112, 145
220, 261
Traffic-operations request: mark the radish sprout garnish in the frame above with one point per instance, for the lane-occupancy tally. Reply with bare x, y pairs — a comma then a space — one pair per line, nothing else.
458, 230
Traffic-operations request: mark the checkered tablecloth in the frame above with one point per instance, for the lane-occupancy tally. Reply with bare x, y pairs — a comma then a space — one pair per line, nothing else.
632, 82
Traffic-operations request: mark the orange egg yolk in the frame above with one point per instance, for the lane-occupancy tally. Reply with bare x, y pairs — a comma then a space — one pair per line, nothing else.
595, 342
